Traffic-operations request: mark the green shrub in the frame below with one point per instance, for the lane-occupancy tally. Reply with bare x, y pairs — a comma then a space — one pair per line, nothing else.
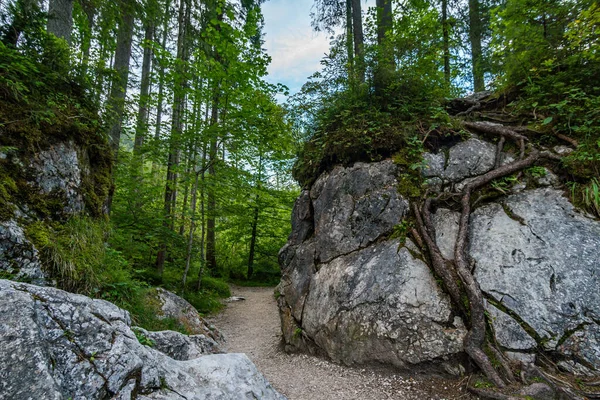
217, 286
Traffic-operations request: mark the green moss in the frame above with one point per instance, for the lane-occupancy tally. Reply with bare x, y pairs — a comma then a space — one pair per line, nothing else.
38, 234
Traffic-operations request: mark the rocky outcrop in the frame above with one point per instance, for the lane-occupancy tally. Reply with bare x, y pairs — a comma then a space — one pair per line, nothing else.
58, 345
358, 295
355, 288
49, 185
169, 305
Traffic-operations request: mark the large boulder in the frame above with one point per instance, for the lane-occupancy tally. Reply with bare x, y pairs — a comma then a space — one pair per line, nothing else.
355, 291
58, 345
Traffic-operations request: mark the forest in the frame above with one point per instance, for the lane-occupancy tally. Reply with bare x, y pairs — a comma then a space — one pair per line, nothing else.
205, 163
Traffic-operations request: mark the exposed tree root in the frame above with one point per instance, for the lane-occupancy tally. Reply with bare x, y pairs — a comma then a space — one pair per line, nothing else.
456, 274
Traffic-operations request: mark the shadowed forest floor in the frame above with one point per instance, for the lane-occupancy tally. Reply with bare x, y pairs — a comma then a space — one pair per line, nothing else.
252, 327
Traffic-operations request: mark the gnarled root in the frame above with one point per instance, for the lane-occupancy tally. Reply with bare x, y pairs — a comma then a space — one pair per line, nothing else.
456, 275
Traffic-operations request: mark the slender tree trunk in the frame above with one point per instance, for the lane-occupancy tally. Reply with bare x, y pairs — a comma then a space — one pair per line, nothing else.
60, 18
118, 91
161, 79
446, 41
86, 41
384, 20
142, 118
202, 218
176, 131
385, 57
475, 32
186, 193
190, 240
211, 248
211, 256
349, 40
357, 31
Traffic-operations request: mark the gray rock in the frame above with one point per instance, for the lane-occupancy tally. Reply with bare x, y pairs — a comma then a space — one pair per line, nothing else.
58, 345
563, 150
296, 278
523, 358
352, 292
380, 304
509, 333
59, 169
541, 262
172, 306
538, 391
302, 219
548, 179
178, 346
434, 165
470, 158
584, 343
18, 256
446, 229
353, 207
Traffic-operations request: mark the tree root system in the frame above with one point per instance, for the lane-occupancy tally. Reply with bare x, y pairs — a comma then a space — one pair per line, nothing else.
457, 278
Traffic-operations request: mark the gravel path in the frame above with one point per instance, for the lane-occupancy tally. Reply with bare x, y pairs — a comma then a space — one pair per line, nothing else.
252, 327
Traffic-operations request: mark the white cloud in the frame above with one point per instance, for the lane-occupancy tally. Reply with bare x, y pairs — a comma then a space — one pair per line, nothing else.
296, 50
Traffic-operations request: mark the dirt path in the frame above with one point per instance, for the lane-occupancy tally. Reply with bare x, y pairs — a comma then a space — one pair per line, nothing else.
252, 327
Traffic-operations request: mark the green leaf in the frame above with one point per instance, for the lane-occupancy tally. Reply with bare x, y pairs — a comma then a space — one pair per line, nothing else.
547, 121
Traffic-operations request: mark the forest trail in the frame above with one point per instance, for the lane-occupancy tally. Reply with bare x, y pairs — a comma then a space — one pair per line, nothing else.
252, 327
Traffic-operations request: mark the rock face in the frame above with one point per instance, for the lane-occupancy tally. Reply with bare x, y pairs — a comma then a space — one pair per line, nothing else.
57, 345
59, 169
354, 292
358, 295
55, 178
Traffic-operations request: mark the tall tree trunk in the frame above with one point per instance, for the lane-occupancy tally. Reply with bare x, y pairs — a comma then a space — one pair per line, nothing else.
176, 130
142, 118
475, 32
190, 240
186, 192
384, 20
349, 40
60, 18
446, 41
161, 79
385, 57
211, 250
116, 101
86, 41
211, 247
357, 32
202, 218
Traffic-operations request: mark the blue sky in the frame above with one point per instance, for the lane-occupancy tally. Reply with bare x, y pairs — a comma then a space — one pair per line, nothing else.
295, 48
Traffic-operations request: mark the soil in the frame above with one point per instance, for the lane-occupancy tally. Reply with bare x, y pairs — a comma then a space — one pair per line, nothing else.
252, 326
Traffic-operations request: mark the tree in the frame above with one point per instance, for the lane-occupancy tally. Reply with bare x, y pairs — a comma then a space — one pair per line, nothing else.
475, 38
330, 14
60, 18
116, 102
385, 56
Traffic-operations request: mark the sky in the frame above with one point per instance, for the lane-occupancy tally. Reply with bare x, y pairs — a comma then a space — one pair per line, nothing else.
296, 50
